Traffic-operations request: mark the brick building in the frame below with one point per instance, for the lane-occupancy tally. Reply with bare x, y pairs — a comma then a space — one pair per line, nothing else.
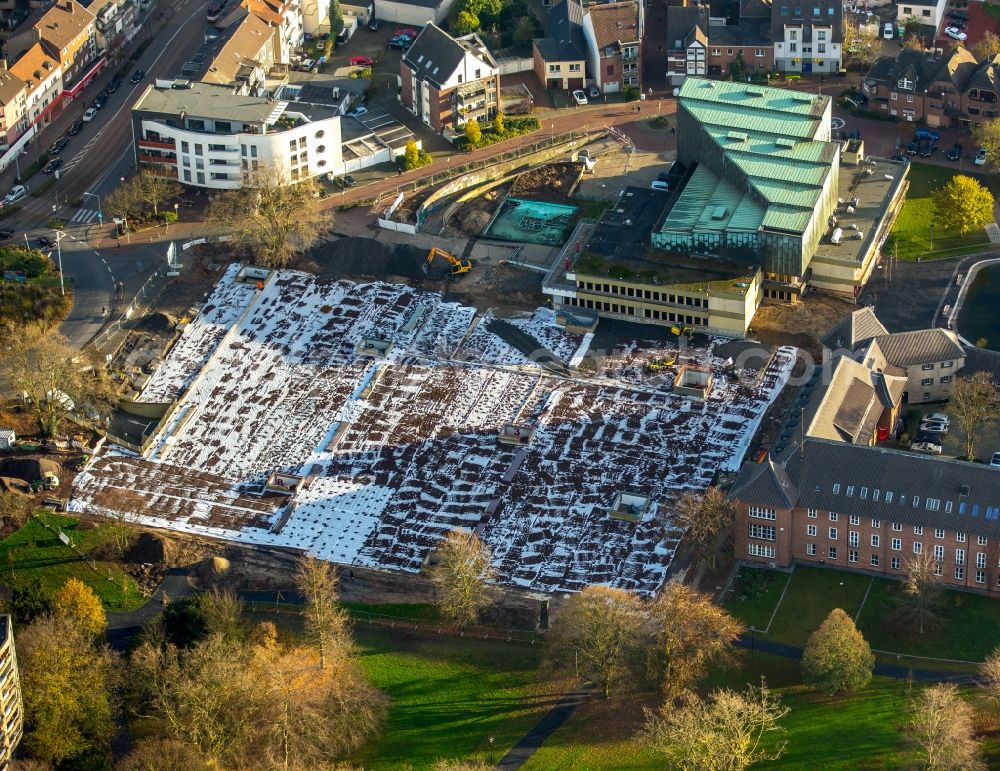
560, 58
870, 509
613, 32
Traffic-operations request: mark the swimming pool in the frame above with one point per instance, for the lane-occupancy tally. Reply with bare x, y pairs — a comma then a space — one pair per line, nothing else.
535, 222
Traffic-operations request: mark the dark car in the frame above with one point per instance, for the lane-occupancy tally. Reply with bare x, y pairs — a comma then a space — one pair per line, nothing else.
75, 128
594, 92
955, 153
58, 145
52, 165
137, 76
923, 133
854, 134
959, 15
350, 181
374, 25
913, 147
44, 242
927, 149
114, 85
99, 101
6, 235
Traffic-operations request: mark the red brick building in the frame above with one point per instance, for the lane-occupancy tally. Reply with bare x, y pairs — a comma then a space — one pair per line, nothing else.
871, 509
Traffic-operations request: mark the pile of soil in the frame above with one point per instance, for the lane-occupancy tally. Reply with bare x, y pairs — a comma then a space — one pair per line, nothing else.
152, 549
473, 216
158, 322
28, 468
551, 182
356, 257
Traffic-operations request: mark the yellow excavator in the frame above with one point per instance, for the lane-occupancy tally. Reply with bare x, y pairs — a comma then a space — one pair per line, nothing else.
458, 267
663, 362
680, 331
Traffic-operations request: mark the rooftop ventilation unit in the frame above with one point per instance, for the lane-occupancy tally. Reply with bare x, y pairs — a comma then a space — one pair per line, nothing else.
786, 142
719, 213
751, 91
737, 136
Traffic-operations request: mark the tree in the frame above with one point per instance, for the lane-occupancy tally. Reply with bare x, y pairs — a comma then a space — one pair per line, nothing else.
989, 678
273, 216
54, 377
963, 205
942, 730
336, 19
525, 30
222, 611
121, 507
462, 574
920, 599
473, 134
499, 126
154, 189
465, 23
987, 136
597, 634
974, 402
163, 755
411, 155
76, 602
29, 601
66, 685
327, 624
691, 633
837, 658
123, 202
987, 47
707, 520
722, 733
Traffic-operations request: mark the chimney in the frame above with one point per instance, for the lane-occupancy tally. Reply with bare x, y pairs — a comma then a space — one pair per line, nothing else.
69, 6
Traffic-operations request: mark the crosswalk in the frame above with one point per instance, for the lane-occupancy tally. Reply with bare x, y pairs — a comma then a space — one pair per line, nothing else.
83, 217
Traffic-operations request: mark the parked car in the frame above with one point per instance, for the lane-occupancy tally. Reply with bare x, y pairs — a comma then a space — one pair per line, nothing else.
89, 115
929, 436
923, 133
114, 85
362, 61
52, 166
963, 15
594, 92
357, 112
45, 242
659, 184
995, 460
58, 145
99, 101
955, 152
955, 33
349, 181
888, 32
410, 32
374, 25
400, 43
17, 193
579, 97
6, 235
937, 428
927, 149
981, 157
937, 417
913, 147
75, 128
307, 64
137, 76
928, 448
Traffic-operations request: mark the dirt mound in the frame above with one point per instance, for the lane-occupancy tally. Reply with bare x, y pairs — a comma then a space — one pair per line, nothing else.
551, 182
152, 549
351, 257
28, 468
10, 484
158, 322
473, 221
213, 568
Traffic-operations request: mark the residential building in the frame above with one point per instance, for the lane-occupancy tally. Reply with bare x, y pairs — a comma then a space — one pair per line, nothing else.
928, 13
943, 88
613, 32
13, 107
116, 22
928, 359
560, 58
686, 43
448, 81
414, 13
245, 58
11, 703
43, 78
807, 36
870, 509
68, 32
286, 17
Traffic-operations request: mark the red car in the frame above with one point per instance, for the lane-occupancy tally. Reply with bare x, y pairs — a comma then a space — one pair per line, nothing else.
408, 31
363, 61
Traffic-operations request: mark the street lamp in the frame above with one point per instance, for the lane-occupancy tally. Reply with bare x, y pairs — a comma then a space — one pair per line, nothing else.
100, 213
932, 236
59, 237
17, 165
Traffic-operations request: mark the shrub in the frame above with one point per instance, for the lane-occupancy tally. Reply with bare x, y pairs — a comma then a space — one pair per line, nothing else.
18, 257
56, 223
38, 191
167, 216
7, 211
415, 157
659, 122
631, 93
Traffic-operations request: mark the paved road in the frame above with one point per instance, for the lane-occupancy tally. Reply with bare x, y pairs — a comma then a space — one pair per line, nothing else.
122, 627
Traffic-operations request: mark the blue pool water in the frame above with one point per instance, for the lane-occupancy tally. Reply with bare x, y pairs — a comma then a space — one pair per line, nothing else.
534, 222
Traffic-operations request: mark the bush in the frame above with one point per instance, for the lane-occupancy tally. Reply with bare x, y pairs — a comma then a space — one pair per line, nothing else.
362, 74
167, 216
56, 223
512, 127
38, 191
659, 122
17, 257
414, 157
7, 211
631, 93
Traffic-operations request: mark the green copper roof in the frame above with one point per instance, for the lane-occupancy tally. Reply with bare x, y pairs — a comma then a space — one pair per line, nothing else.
766, 135
709, 203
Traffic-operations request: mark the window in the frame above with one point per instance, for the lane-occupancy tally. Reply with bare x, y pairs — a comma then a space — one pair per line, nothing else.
223, 127
184, 147
253, 151
611, 69
896, 527
479, 74
759, 53
981, 540
764, 532
574, 67
909, 98
832, 552
937, 569
938, 552
830, 12
960, 537
811, 513
959, 556
875, 541
947, 364
888, 496
836, 488
833, 516
853, 538
918, 530
873, 560
945, 379
758, 513
187, 175
199, 149
918, 547
555, 68
980, 576
760, 550
811, 549
938, 532
959, 572
876, 524
855, 519
810, 529
897, 544
833, 534
821, 49
926, 367
894, 563
981, 559
893, 96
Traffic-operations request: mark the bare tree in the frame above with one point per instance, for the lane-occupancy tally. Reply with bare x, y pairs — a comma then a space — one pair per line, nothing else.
124, 202
275, 217
154, 189
163, 755
974, 403
707, 519
989, 679
223, 614
121, 507
691, 633
920, 600
327, 623
462, 573
53, 377
596, 634
942, 730
724, 732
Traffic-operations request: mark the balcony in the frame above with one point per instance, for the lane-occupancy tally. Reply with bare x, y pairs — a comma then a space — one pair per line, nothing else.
154, 144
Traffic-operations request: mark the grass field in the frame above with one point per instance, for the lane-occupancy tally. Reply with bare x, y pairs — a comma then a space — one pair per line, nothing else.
34, 552
913, 227
755, 595
811, 595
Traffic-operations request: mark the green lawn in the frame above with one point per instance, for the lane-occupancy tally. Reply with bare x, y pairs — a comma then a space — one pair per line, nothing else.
34, 552
755, 595
449, 696
913, 227
811, 595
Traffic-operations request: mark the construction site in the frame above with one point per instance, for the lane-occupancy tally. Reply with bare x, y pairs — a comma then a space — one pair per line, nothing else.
359, 422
